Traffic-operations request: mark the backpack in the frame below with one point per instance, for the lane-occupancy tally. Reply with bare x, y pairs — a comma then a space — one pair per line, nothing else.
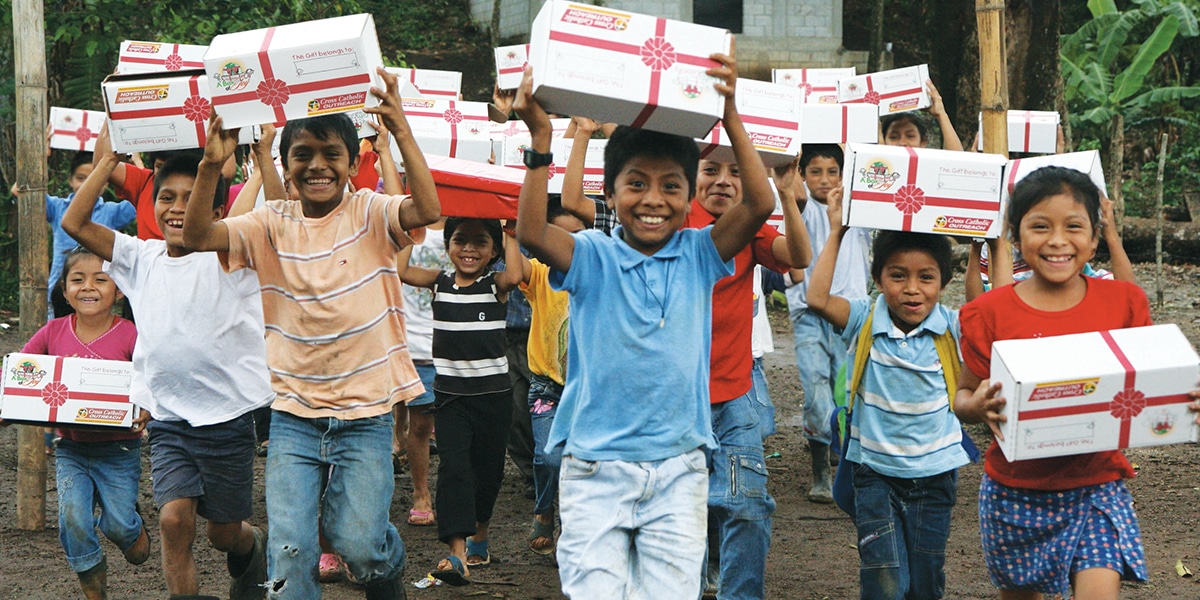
843, 482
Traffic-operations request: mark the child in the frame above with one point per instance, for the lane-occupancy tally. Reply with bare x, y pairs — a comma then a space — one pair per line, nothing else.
905, 444
135, 184
200, 392
634, 423
471, 388
335, 341
1051, 525
909, 128
820, 352
95, 469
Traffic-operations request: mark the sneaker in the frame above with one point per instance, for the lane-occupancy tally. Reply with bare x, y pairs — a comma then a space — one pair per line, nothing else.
249, 585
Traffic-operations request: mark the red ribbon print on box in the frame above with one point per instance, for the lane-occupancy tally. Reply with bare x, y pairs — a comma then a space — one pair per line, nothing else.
82, 133
275, 92
1125, 404
656, 53
874, 97
195, 108
714, 141
451, 115
809, 88
909, 199
172, 62
55, 393
512, 70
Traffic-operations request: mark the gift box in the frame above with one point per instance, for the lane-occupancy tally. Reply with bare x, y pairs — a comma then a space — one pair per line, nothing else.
818, 86
158, 57
364, 124
898, 90
74, 129
294, 71
58, 390
1090, 392
1087, 161
923, 190
439, 85
151, 112
626, 68
472, 189
839, 123
450, 128
510, 65
1028, 131
514, 148
771, 115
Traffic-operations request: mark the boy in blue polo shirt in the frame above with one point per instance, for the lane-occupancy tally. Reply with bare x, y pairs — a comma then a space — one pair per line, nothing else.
634, 421
905, 443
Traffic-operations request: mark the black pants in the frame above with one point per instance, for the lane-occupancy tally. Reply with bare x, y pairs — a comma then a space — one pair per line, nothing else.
520, 438
471, 432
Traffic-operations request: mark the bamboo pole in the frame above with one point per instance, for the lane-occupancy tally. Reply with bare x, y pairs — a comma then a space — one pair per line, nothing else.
1158, 230
30, 63
993, 88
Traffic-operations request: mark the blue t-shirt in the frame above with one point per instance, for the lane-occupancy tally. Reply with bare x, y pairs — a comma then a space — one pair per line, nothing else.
640, 332
113, 215
902, 424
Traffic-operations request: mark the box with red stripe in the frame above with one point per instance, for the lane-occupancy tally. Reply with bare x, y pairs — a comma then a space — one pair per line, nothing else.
922, 190
818, 86
1028, 131
1087, 162
897, 90
510, 65
158, 57
1090, 392
473, 189
593, 164
626, 68
294, 71
839, 123
67, 391
431, 83
771, 115
157, 111
450, 128
74, 129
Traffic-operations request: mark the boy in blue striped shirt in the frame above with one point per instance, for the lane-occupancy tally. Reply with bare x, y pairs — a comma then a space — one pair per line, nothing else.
905, 443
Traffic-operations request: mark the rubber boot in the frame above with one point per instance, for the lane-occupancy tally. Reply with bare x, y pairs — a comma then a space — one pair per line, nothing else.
94, 581
822, 487
387, 590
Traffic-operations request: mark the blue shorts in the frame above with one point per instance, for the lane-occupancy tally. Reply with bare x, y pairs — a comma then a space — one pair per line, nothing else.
213, 464
426, 372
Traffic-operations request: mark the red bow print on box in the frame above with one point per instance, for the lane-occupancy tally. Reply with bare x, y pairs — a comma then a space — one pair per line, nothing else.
909, 198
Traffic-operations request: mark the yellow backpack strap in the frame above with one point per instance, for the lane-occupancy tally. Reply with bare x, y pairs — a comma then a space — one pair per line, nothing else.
947, 351
862, 354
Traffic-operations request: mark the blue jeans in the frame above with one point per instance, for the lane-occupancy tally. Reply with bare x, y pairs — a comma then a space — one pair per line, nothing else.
819, 354
353, 508
544, 394
97, 474
739, 506
632, 530
762, 399
903, 525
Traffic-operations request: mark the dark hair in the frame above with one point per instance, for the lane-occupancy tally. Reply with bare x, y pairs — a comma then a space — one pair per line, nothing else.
322, 127
491, 226
58, 294
80, 159
811, 151
189, 166
628, 143
1051, 181
916, 119
888, 243
167, 155
554, 208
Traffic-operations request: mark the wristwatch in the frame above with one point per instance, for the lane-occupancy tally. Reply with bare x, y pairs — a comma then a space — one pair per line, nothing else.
534, 160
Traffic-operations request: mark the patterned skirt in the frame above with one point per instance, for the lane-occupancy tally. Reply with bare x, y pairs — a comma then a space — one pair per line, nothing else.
1034, 540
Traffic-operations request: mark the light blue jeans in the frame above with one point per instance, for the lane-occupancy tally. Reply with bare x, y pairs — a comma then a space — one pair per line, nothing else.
544, 394
739, 506
819, 354
91, 475
353, 508
762, 399
633, 530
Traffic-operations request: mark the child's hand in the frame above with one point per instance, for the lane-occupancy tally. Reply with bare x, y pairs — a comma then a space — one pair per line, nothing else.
1108, 216
936, 108
727, 72
985, 406
503, 99
50, 134
221, 142
585, 126
140, 422
528, 108
785, 177
1195, 405
834, 207
382, 141
390, 110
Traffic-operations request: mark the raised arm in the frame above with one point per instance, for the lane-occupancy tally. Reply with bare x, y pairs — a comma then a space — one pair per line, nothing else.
573, 199
834, 309
793, 249
77, 221
973, 278
950, 139
1122, 268
422, 207
271, 181
548, 242
411, 274
515, 265
387, 165
104, 147
200, 232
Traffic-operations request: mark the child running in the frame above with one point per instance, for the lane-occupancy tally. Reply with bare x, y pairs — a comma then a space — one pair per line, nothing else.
1062, 525
473, 395
95, 469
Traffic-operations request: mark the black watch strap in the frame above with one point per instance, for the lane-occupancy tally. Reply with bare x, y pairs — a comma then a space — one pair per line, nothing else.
535, 160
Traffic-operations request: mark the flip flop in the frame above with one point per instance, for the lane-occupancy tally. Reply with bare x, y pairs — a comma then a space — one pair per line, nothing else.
541, 530
421, 518
478, 550
456, 575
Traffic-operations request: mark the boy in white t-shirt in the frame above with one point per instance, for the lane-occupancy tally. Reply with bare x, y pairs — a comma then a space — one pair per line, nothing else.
198, 387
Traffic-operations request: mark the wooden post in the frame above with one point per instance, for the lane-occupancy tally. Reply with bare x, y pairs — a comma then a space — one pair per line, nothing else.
29, 45
1158, 230
993, 85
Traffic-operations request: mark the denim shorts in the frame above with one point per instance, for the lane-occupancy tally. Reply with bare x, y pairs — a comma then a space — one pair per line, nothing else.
213, 464
426, 372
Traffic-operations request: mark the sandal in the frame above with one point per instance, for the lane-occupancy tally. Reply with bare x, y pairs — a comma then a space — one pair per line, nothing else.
399, 459
421, 518
478, 550
330, 568
541, 530
456, 575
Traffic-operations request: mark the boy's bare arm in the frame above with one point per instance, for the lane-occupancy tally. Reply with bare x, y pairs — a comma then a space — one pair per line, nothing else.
515, 265
973, 278
271, 181
387, 165
548, 242
103, 147
573, 199
422, 207
411, 274
200, 232
77, 221
1000, 263
950, 139
834, 309
978, 401
793, 249
1122, 268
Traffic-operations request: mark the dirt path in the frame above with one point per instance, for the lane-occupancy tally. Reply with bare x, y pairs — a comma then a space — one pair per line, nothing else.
811, 555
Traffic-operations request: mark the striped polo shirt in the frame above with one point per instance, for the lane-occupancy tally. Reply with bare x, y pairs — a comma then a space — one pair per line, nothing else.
469, 340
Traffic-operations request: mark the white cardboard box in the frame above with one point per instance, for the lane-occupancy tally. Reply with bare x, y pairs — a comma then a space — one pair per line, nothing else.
151, 112
450, 128
1089, 392
923, 190
593, 166
1028, 131
74, 129
294, 71
1087, 161
430, 83
897, 90
626, 68
771, 114
67, 391
839, 123
819, 86
158, 57
510, 65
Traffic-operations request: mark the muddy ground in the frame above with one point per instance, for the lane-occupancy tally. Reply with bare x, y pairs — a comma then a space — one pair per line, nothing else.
811, 558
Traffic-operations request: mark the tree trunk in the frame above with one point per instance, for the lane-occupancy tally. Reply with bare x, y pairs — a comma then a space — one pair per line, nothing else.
875, 53
1116, 164
1034, 72
495, 23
